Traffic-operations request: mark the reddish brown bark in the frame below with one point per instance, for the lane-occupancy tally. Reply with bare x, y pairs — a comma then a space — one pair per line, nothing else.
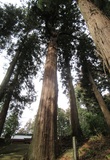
45, 131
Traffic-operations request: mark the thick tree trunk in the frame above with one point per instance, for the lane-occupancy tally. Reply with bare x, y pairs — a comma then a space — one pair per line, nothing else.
7, 76
100, 100
45, 131
76, 130
99, 27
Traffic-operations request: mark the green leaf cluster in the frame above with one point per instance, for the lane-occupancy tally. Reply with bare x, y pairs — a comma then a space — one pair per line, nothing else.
63, 123
92, 123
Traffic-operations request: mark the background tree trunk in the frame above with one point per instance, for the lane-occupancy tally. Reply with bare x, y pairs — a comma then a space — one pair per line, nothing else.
8, 75
7, 99
100, 100
99, 27
76, 130
4, 111
45, 131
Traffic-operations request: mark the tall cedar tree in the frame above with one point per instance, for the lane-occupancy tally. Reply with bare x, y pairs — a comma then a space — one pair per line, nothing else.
23, 65
67, 82
43, 145
89, 64
76, 129
20, 77
71, 32
100, 100
56, 17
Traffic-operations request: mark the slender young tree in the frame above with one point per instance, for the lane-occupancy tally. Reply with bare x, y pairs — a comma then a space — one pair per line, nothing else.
99, 27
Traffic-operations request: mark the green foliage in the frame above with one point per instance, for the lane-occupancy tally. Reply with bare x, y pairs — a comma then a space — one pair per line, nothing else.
92, 123
63, 123
11, 22
19, 40
88, 61
11, 125
48, 5
72, 28
42, 4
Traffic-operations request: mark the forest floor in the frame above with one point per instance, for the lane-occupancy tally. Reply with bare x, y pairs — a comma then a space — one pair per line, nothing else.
13, 151
96, 148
